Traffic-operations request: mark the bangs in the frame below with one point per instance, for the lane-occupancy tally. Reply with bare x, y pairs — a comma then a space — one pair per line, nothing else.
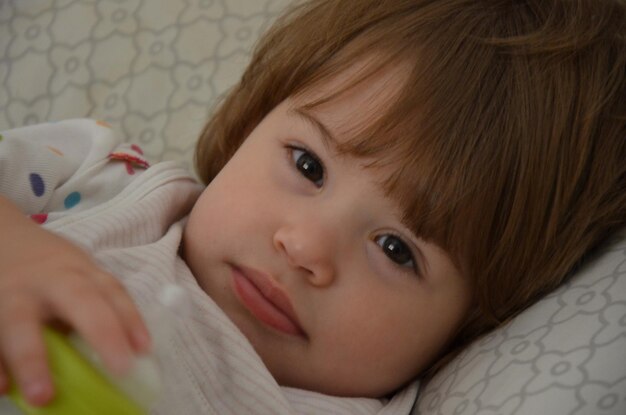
447, 132
395, 137
425, 132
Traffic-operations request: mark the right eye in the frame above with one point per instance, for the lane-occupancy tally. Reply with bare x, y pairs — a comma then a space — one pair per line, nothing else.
397, 250
308, 165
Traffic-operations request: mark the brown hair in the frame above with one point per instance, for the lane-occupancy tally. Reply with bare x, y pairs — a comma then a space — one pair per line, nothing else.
508, 137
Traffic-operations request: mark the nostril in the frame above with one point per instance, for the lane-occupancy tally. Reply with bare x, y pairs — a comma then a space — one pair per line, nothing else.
278, 243
280, 246
304, 251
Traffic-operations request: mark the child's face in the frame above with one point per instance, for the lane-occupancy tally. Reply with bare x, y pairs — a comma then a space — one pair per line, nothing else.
304, 252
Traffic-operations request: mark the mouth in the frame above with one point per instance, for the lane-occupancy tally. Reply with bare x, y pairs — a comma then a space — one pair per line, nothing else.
265, 300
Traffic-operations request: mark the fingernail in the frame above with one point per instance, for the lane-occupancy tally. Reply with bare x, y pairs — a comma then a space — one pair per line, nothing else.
38, 392
142, 341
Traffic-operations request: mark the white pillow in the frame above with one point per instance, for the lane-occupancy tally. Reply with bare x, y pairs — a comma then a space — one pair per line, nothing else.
566, 354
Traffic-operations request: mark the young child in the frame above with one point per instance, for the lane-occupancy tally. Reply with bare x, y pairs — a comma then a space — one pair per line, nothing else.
388, 181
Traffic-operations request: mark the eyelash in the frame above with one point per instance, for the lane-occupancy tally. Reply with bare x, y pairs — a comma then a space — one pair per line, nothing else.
319, 182
295, 158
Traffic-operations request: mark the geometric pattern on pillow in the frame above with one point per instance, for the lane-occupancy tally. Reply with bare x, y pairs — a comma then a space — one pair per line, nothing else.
153, 69
566, 354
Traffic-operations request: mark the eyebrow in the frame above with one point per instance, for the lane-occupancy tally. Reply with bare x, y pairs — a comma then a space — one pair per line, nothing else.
313, 121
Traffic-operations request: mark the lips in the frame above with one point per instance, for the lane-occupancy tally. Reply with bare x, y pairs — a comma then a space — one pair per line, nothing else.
265, 300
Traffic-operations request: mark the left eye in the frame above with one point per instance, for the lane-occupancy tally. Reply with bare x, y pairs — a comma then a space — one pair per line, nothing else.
396, 250
308, 165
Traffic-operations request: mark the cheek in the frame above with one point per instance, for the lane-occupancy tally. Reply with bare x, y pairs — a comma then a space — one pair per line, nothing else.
387, 326
233, 208
212, 223
365, 318
369, 342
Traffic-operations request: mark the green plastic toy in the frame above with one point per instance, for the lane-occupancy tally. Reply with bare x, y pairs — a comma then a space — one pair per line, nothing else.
80, 388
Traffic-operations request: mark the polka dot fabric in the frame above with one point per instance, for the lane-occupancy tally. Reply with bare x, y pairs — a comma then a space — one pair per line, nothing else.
53, 168
130, 160
39, 218
72, 200
37, 184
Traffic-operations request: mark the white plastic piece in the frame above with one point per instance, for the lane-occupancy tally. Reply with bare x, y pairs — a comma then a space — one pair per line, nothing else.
144, 382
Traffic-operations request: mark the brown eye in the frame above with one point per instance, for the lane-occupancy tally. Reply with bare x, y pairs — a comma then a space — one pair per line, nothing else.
308, 165
396, 250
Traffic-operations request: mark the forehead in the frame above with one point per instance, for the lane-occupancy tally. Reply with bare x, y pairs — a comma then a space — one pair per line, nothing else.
354, 99
374, 112
348, 109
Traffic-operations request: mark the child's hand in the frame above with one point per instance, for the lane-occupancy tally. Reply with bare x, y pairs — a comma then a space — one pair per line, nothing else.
44, 278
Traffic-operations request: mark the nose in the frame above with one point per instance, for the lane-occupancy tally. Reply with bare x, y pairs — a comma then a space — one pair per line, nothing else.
310, 249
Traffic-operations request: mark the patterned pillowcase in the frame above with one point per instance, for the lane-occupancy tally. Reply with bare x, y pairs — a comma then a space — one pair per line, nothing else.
566, 354
152, 69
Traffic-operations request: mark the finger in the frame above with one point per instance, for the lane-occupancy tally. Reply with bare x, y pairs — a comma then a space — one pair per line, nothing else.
23, 350
83, 306
126, 310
